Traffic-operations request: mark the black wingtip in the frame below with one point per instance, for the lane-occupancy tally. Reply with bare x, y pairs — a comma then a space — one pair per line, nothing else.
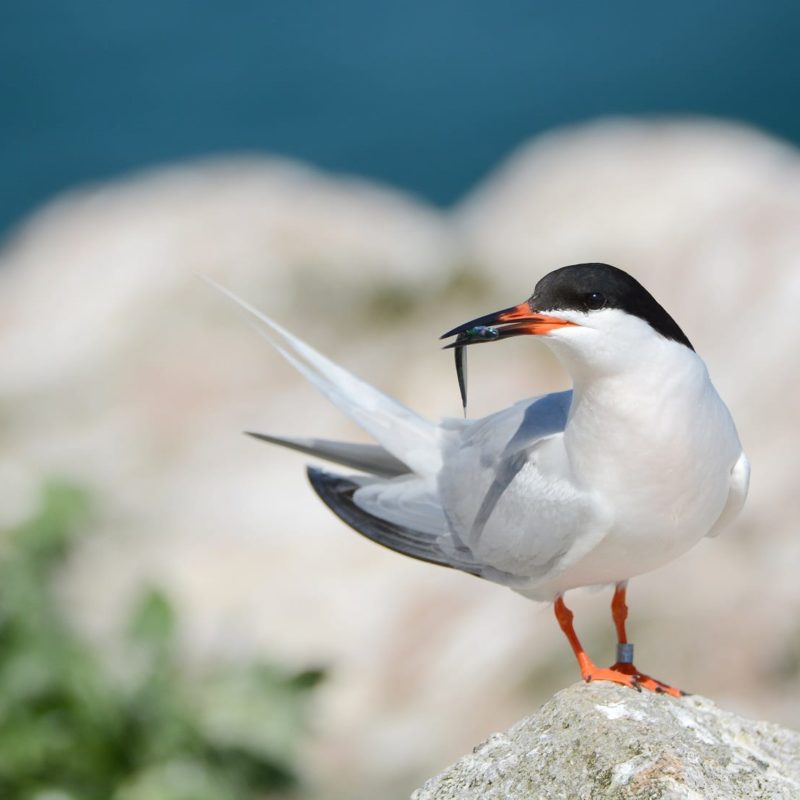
337, 491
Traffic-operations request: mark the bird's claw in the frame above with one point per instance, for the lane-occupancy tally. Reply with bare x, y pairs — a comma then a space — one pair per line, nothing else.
627, 675
646, 682
595, 673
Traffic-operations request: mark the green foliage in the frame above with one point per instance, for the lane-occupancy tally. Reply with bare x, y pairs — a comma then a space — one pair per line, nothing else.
69, 730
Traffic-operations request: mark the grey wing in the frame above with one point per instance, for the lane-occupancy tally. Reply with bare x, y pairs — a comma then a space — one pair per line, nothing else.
389, 504
477, 515
504, 433
415, 527
541, 418
499, 446
508, 492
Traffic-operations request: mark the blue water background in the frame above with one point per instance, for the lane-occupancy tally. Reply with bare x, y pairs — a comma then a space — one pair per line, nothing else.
427, 96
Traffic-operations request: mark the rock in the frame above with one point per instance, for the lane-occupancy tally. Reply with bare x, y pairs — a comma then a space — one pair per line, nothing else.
594, 741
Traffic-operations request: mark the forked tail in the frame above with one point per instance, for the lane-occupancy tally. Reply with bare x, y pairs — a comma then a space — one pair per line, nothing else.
404, 435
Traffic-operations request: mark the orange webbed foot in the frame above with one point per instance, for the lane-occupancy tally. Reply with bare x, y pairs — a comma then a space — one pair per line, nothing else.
625, 652
645, 681
591, 672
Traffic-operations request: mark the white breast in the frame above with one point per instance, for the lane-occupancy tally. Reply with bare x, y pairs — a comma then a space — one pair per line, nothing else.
656, 448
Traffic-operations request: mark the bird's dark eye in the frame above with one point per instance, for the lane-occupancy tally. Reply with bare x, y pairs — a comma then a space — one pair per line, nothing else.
595, 300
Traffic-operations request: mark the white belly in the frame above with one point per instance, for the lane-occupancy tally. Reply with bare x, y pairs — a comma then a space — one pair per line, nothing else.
639, 542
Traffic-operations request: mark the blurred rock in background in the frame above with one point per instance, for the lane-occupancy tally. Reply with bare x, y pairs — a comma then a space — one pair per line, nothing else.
122, 371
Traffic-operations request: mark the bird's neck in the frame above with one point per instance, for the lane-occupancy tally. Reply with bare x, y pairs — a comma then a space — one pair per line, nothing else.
650, 415
657, 388
604, 372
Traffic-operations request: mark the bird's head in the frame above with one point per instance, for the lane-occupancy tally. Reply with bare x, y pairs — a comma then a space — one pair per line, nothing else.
597, 318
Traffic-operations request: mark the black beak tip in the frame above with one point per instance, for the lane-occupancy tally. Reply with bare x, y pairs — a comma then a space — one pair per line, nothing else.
452, 332
479, 329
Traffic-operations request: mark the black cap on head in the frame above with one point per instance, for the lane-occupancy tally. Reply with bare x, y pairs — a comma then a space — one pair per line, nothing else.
590, 287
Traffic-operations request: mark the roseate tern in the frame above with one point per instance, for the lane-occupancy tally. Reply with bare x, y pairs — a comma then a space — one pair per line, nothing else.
592, 486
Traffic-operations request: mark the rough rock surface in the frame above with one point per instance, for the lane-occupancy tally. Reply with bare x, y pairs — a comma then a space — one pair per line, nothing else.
594, 741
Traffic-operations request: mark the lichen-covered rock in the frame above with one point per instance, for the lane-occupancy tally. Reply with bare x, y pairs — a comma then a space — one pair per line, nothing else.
596, 741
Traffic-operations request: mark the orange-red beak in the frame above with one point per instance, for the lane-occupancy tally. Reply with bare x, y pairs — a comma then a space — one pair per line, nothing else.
514, 321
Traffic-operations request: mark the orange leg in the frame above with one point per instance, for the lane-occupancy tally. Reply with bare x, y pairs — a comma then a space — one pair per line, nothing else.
589, 670
624, 664
619, 611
